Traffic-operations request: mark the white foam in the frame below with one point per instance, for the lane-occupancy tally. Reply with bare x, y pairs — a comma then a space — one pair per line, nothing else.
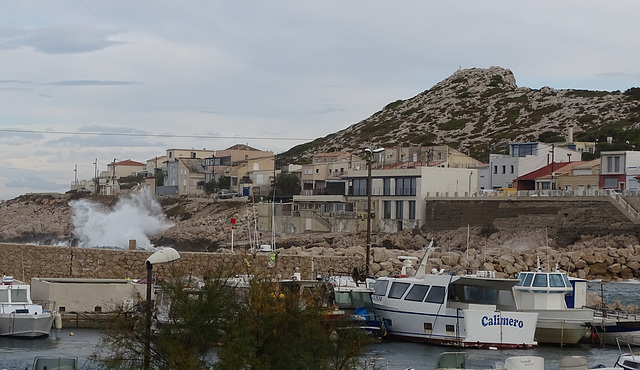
136, 217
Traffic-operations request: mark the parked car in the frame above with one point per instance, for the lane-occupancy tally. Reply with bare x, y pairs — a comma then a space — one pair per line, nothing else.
227, 194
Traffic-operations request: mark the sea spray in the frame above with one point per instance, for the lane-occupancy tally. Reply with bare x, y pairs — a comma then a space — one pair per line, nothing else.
135, 217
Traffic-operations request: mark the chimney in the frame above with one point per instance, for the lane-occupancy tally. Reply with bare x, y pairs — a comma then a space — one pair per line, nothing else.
570, 135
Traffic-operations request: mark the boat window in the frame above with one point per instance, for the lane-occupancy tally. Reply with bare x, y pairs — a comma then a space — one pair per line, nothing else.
4, 296
567, 283
555, 281
417, 293
527, 280
489, 296
18, 295
540, 280
343, 300
522, 276
380, 287
398, 289
435, 295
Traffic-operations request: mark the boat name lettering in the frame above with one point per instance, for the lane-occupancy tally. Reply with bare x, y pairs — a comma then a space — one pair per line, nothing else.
505, 321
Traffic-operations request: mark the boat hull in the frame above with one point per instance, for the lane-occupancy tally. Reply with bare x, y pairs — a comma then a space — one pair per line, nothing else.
468, 329
609, 331
26, 325
567, 326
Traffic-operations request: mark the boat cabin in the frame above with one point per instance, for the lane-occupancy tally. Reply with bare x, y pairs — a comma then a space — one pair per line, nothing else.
544, 290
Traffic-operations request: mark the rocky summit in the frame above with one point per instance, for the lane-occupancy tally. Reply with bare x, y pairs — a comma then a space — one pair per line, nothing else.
479, 110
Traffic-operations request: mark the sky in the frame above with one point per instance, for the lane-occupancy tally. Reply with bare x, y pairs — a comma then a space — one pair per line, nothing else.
84, 83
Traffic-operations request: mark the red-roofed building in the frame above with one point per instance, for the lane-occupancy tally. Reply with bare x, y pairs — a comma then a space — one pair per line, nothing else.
115, 170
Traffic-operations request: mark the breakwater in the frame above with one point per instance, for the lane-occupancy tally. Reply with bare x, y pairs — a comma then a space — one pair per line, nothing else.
608, 258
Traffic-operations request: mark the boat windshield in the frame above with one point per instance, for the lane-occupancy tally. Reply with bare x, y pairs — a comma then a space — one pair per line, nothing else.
556, 281
14, 296
353, 300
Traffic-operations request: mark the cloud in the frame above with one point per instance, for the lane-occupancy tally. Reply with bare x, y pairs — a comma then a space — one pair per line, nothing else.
28, 180
91, 83
60, 39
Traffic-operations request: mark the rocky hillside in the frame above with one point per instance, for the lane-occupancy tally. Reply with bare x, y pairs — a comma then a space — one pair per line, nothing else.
477, 111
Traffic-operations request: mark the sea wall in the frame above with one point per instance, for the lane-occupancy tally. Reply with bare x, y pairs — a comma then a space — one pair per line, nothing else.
608, 258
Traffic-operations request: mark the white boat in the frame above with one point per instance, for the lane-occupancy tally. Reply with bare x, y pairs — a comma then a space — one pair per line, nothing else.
458, 360
607, 327
547, 293
628, 359
355, 299
19, 316
458, 310
55, 363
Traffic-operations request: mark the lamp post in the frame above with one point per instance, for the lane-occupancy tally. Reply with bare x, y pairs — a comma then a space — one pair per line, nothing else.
369, 155
164, 255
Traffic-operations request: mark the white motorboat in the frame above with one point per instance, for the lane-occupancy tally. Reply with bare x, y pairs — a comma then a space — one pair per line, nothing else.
609, 326
547, 293
19, 316
458, 310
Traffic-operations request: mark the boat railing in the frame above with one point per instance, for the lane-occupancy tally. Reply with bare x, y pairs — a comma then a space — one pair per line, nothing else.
601, 312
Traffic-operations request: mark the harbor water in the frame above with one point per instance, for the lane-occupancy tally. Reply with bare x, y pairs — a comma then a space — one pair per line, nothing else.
393, 355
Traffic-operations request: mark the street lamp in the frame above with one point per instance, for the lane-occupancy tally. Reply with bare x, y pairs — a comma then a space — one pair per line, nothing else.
164, 255
369, 157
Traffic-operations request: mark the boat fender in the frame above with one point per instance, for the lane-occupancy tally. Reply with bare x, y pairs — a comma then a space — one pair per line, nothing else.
57, 321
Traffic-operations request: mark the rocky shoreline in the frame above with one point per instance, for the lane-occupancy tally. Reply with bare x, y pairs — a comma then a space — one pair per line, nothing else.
202, 225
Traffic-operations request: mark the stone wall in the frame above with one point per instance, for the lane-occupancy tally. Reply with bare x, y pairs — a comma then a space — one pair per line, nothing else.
565, 219
26, 261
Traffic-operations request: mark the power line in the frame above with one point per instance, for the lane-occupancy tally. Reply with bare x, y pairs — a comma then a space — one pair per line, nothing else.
21, 131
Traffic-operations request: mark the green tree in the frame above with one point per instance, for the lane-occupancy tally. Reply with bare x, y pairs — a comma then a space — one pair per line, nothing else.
286, 184
197, 321
266, 326
213, 186
290, 329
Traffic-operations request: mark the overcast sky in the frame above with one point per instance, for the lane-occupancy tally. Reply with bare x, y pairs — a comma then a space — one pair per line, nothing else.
272, 74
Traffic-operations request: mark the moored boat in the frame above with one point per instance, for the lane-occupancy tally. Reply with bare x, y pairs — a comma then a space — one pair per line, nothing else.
355, 299
547, 293
459, 310
19, 316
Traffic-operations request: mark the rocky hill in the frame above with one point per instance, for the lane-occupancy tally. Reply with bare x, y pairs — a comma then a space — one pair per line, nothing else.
477, 111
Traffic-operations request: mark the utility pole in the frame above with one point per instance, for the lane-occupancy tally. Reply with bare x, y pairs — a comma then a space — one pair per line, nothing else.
369, 158
553, 153
95, 176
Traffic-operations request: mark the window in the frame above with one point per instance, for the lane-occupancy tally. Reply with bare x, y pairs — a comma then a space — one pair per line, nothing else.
540, 280
616, 164
495, 170
399, 209
504, 169
435, 295
380, 287
610, 182
512, 168
19, 295
406, 186
397, 290
359, 187
609, 164
555, 281
386, 186
412, 209
417, 293
386, 209
317, 170
4, 296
